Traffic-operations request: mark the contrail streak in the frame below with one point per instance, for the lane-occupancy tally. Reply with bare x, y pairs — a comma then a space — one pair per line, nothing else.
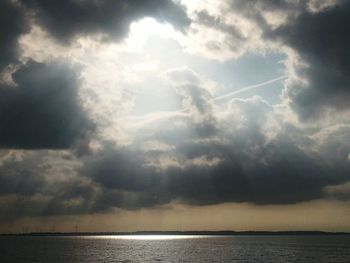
248, 88
227, 95
165, 115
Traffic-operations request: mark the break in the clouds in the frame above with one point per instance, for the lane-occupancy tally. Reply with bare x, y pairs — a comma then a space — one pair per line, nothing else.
312, 33
139, 104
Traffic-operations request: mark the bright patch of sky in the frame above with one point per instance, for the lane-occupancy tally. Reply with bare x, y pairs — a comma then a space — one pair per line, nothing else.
157, 48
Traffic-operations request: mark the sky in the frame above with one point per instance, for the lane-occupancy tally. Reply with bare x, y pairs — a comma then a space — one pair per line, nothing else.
124, 115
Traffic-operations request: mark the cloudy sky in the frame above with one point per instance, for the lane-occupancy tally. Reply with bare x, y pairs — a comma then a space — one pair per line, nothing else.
121, 115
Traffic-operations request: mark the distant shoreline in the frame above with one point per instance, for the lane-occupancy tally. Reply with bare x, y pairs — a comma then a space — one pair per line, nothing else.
184, 233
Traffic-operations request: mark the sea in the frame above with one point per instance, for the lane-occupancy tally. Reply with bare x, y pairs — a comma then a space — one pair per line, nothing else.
163, 248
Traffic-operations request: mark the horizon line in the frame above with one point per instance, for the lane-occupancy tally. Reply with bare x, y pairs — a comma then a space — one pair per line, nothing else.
181, 232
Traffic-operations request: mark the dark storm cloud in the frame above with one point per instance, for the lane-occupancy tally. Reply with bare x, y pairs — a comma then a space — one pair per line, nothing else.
241, 165
32, 184
277, 173
254, 9
15, 206
206, 19
69, 18
116, 169
322, 41
12, 24
277, 178
43, 109
252, 6
20, 178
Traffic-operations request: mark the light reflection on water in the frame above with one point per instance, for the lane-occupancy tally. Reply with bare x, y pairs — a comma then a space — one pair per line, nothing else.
147, 237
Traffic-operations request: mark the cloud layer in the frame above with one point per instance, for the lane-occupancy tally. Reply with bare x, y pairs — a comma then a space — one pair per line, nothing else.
56, 160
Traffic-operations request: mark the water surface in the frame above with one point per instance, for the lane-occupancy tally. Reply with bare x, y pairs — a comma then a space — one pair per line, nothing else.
176, 249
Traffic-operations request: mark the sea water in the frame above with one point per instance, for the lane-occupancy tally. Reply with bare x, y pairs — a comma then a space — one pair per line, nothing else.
175, 249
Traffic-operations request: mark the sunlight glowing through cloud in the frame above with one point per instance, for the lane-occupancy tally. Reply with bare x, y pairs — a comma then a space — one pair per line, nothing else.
142, 30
